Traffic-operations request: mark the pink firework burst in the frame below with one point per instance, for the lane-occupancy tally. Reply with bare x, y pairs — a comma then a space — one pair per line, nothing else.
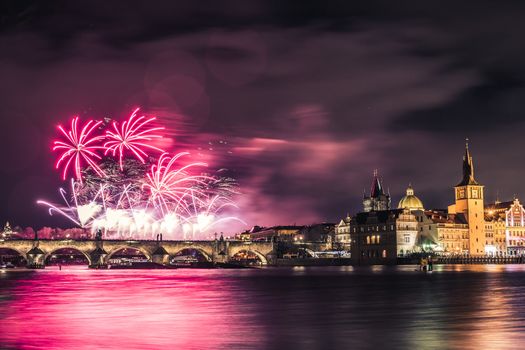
80, 145
170, 185
134, 135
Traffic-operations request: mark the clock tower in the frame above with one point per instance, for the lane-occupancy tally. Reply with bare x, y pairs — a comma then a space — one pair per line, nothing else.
469, 201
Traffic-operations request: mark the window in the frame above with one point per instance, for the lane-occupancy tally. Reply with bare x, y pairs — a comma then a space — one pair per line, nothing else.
367, 239
377, 239
384, 253
407, 239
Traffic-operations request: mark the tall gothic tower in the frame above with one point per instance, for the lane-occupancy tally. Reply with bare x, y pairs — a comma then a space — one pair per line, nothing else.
469, 201
378, 199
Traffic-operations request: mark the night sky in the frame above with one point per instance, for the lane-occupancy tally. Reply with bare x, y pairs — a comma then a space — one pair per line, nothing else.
306, 99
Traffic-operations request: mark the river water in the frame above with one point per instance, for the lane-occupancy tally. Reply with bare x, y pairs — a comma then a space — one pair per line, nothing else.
455, 307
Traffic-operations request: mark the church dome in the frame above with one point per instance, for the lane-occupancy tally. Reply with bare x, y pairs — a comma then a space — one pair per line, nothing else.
410, 201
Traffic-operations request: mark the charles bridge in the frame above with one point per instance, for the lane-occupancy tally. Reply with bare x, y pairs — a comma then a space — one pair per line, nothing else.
98, 251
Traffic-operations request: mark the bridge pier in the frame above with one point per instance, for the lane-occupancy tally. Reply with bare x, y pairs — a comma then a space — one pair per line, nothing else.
160, 256
220, 251
36, 258
98, 257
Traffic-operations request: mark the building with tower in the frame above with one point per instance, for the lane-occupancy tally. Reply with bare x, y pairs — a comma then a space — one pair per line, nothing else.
467, 227
463, 229
379, 234
469, 202
378, 199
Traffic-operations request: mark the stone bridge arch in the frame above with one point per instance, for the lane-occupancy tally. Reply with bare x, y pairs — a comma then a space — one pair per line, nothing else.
234, 249
117, 248
20, 252
261, 257
207, 249
50, 252
207, 253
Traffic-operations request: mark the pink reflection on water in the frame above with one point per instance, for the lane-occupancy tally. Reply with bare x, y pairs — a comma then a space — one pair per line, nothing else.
85, 309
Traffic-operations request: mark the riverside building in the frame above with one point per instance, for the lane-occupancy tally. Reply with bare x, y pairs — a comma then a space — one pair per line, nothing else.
505, 222
379, 234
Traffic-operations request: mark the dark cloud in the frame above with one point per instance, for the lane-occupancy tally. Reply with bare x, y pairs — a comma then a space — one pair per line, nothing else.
310, 97
497, 102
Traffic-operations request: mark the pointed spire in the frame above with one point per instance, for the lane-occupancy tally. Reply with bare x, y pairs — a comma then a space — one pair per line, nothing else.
376, 189
468, 168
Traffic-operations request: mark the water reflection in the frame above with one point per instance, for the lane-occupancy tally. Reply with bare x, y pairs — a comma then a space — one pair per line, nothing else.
86, 309
456, 307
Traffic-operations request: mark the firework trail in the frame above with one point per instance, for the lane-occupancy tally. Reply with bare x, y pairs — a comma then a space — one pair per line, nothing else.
170, 187
81, 215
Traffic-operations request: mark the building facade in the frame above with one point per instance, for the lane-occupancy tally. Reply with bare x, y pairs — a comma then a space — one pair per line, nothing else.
515, 229
342, 233
380, 237
441, 232
495, 228
274, 233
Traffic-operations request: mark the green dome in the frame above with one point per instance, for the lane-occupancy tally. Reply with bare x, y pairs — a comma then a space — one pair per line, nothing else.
410, 201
